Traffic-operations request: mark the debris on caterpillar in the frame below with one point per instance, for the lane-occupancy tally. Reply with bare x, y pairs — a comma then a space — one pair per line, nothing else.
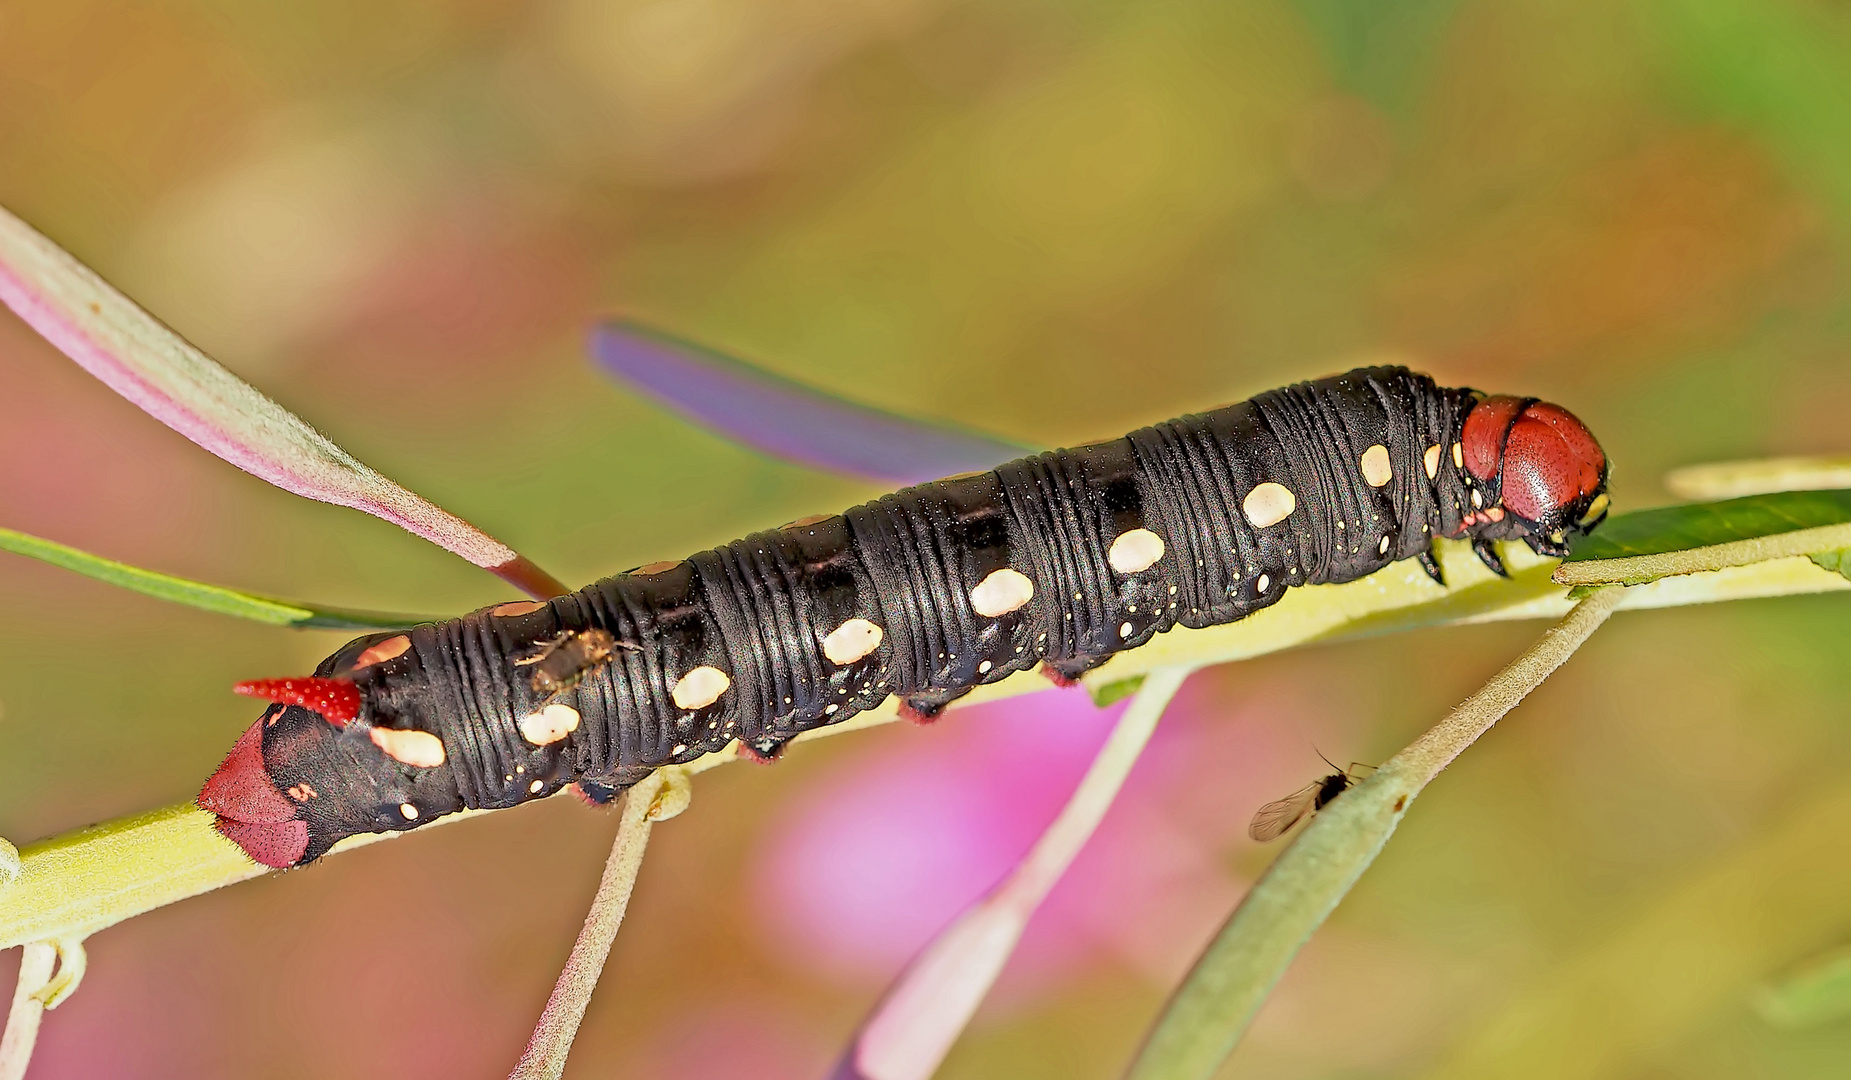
562, 661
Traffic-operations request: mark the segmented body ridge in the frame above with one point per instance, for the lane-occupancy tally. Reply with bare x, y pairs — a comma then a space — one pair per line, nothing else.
945, 585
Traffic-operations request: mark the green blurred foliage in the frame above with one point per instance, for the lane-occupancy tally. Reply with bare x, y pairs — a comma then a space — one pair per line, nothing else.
1054, 221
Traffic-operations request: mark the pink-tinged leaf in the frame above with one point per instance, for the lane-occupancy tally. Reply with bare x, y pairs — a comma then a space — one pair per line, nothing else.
785, 419
920, 1017
147, 363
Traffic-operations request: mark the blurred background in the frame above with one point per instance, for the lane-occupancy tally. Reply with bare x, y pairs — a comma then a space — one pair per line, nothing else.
1055, 221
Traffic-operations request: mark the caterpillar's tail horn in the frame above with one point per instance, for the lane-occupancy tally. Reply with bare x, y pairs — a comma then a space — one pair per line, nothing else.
336, 699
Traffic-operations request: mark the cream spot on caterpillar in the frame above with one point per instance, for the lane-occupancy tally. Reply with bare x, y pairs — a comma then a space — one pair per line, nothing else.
1001, 592
419, 749
385, 650
806, 522
536, 787
1269, 504
549, 725
700, 688
851, 641
1458, 456
1124, 630
1263, 582
1134, 550
410, 811
1377, 470
516, 607
655, 568
1431, 460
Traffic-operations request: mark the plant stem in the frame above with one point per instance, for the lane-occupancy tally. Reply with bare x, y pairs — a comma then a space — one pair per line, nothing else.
22, 1021
1638, 569
545, 1056
920, 1017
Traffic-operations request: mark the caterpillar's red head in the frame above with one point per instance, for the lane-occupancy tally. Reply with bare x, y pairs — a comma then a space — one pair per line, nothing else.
1537, 471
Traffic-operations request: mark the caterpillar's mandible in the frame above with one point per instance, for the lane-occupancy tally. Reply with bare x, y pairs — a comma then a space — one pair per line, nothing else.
1063, 558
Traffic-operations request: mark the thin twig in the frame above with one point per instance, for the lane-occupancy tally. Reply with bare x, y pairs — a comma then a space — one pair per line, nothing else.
545, 1056
1217, 1001
917, 1021
22, 1021
1638, 569
1423, 759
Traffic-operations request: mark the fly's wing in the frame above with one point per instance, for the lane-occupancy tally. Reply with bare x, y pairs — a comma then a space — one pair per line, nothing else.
1276, 817
785, 419
533, 654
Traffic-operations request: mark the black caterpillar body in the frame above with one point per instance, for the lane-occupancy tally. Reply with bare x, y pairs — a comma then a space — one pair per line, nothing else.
1063, 559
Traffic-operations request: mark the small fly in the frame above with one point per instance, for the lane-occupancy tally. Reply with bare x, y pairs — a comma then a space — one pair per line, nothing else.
563, 661
1276, 817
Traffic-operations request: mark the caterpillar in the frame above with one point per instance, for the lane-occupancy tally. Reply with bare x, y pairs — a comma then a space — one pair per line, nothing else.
1060, 559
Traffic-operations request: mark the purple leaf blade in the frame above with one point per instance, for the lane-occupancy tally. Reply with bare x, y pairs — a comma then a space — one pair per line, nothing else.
137, 356
786, 419
913, 1027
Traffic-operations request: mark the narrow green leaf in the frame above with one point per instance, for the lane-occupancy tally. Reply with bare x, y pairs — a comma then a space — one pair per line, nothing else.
1838, 562
214, 598
1818, 993
1212, 1009
1677, 528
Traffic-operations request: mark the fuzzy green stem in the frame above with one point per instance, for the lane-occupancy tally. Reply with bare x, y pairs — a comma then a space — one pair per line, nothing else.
22, 1020
545, 1056
1638, 569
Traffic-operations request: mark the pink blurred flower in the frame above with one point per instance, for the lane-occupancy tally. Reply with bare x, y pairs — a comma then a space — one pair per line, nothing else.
856, 876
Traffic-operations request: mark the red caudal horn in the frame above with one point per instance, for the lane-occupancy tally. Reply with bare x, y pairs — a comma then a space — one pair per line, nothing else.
336, 699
